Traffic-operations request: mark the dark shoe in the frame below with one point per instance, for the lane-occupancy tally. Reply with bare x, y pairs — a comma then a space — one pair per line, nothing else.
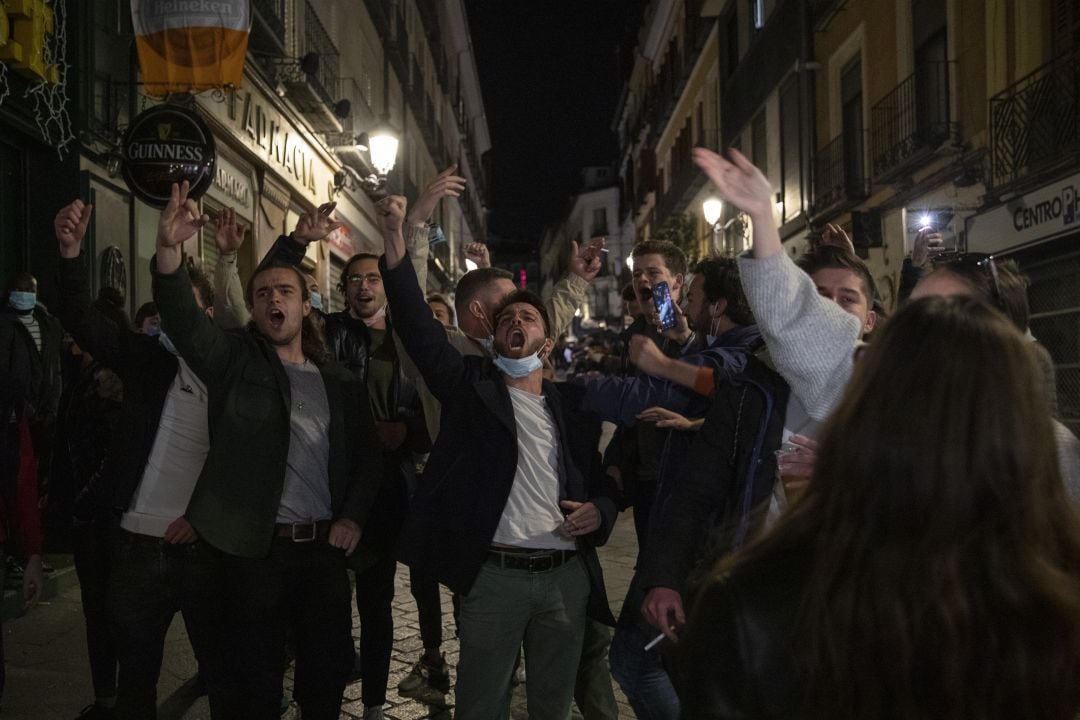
427, 683
96, 712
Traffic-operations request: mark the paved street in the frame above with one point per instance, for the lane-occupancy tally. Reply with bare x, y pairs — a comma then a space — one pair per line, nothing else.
48, 676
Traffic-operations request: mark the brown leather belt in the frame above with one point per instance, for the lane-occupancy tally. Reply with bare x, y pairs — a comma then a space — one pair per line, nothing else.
303, 532
535, 561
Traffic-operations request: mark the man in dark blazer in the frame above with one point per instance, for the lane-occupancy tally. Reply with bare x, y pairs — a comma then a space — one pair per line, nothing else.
513, 502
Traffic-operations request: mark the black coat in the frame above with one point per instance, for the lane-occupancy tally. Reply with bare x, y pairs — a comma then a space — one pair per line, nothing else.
30, 380
147, 371
471, 469
735, 659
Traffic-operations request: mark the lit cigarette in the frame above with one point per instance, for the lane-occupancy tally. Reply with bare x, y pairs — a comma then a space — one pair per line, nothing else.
655, 641
604, 250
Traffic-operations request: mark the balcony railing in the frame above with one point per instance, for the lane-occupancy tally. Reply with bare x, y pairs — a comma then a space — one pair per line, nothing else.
911, 121
314, 90
1035, 123
839, 172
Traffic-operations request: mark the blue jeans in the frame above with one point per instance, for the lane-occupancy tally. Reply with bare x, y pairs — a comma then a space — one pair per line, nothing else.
641, 674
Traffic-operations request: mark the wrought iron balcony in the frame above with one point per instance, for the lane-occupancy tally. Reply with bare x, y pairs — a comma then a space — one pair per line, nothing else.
839, 172
1035, 123
312, 83
912, 121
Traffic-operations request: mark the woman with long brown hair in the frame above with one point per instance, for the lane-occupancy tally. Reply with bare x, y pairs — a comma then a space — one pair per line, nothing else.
932, 570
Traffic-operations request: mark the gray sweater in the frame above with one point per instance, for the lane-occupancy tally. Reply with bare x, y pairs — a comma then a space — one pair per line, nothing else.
812, 341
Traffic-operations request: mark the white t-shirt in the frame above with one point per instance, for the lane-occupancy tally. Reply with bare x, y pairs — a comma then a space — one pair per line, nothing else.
176, 459
531, 517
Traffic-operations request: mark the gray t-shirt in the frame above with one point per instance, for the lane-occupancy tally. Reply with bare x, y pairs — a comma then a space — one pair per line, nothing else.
306, 494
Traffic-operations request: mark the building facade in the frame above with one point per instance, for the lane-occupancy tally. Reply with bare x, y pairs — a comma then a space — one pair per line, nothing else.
318, 74
592, 213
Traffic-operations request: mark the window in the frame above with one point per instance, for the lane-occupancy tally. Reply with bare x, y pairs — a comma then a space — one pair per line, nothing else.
851, 113
759, 143
790, 149
732, 35
757, 13
931, 72
599, 222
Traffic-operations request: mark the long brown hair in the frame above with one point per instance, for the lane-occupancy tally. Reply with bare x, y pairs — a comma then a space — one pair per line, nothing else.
312, 338
944, 576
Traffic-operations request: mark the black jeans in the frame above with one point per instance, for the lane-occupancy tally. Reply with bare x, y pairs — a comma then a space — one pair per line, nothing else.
150, 582
374, 605
92, 561
299, 591
425, 590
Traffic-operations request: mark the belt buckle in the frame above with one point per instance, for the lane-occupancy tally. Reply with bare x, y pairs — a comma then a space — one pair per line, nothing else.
539, 566
303, 539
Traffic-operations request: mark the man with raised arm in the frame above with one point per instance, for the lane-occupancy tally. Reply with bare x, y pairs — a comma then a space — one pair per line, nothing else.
290, 474
159, 566
512, 502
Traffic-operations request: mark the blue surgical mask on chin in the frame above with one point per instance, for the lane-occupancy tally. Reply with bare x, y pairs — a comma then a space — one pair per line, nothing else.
167, 343
519, 367
22, 300
316, 301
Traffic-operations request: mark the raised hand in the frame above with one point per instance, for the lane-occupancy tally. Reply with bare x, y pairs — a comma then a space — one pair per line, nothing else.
738, 182
478, 253
391, 213
586, 263
228, 234
927, 243
70, 227
181, 219
835, 236
316, 224
445, 184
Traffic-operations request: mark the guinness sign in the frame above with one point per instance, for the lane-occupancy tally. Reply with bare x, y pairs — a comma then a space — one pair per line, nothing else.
164, 145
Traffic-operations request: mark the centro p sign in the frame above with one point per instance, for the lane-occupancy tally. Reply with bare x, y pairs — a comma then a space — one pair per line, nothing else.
164, 145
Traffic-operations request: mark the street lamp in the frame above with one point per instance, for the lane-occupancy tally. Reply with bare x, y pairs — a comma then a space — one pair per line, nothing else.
712, 209
383, 146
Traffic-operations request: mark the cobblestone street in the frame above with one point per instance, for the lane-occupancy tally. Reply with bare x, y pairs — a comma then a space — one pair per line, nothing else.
48, 677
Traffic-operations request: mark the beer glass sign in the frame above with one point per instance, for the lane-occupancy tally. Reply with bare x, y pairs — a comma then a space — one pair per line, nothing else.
190, 45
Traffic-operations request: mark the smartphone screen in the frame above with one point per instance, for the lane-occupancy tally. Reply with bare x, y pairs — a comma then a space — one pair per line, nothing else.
661, 295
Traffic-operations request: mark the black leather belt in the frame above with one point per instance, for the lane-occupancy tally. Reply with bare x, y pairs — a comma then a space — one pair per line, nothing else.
303, 532
534, 561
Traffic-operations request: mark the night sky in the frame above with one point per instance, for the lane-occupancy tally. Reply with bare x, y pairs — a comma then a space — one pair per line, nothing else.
550, 79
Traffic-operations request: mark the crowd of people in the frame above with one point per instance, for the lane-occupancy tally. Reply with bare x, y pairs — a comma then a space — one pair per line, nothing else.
837, 514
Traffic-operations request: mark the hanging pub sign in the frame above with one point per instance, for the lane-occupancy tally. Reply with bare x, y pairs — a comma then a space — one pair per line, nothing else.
164, 145
190, 45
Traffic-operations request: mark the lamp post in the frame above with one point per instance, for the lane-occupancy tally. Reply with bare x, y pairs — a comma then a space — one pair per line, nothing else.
383, 147
712, 208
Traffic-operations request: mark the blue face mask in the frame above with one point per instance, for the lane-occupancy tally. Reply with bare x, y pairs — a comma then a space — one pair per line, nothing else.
153, 331
316, 301
22, 300
714, 325
167, 343
519, 367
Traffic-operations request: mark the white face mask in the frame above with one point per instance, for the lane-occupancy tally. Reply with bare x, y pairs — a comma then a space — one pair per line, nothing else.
519, 367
